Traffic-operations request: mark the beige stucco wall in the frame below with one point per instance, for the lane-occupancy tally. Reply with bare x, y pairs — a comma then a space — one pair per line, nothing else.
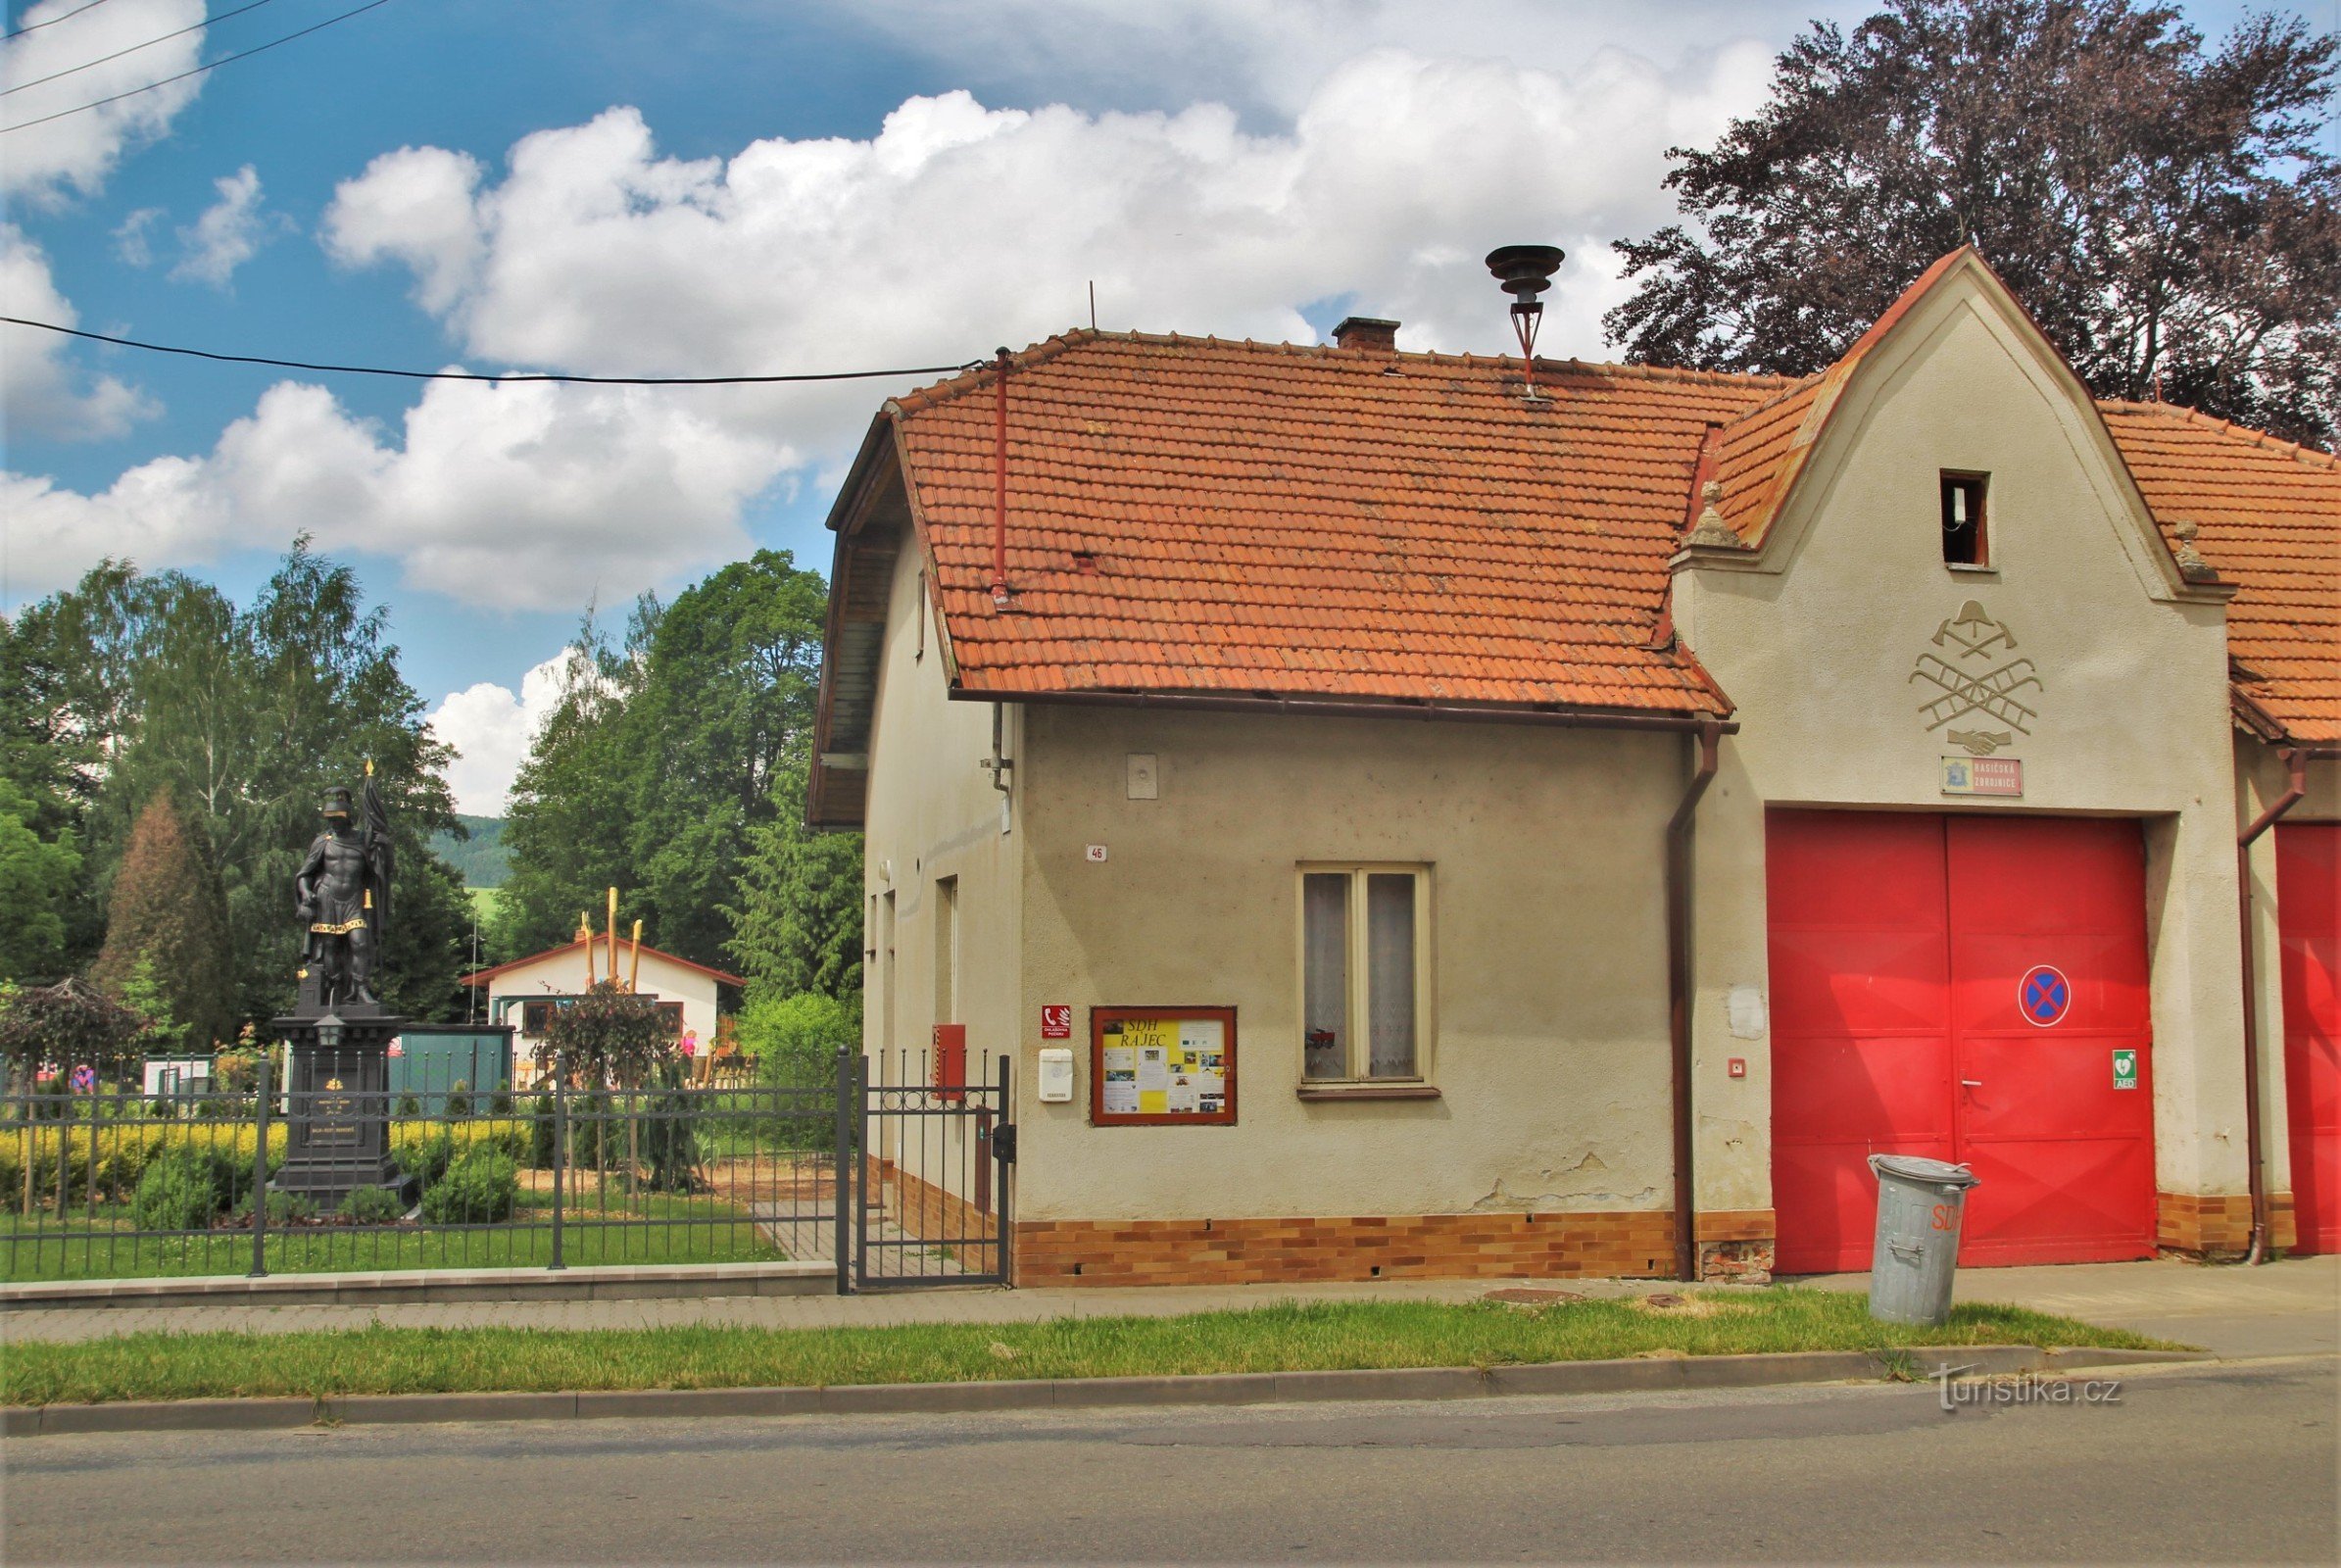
1549, 1039
1818, 643
932, 813
2262, 779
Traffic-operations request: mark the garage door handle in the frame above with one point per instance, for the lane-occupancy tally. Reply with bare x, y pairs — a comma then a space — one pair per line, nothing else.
1971, 1083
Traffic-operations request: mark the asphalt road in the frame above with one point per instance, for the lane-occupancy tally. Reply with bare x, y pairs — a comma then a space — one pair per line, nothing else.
2227, 1462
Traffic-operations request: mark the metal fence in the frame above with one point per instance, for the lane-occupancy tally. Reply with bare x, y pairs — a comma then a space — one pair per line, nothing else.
434, 1175
935, 1171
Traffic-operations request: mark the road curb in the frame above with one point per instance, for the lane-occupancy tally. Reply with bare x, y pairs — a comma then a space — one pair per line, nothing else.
1639, 1374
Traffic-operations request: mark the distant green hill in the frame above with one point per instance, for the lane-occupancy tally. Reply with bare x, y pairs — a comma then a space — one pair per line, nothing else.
480, 860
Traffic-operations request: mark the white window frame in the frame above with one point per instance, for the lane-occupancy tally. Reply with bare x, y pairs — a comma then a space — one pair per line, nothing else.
1359, 972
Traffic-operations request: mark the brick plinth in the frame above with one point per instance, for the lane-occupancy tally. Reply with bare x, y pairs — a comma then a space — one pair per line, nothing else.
1736, 1245
1236, 1251
2219, 1224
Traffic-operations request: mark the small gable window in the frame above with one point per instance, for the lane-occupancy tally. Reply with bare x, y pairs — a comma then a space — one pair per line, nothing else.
1966, 538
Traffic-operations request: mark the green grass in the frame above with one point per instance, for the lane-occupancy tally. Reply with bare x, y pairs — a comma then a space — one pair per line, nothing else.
484, 902
1277, 1338
90, 1254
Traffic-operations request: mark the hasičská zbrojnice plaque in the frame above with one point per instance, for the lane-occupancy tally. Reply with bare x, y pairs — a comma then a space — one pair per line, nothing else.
337, 1089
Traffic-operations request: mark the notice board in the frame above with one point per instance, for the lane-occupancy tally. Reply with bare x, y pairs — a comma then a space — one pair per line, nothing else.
1162, 1066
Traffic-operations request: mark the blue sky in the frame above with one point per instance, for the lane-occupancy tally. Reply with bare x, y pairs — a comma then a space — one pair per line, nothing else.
739, 187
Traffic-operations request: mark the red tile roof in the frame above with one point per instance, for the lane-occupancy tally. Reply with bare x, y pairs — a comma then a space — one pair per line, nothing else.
1202, 517
2268, 519
1318, 522
480, 978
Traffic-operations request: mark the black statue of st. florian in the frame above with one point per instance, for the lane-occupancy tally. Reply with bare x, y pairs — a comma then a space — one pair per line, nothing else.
338, 1035
342, 898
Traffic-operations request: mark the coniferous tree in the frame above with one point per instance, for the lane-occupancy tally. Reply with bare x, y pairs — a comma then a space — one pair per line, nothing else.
167, 914
797, 927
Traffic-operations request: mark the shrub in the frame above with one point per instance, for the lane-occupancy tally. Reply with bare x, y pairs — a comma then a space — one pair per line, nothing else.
796, 1041
669, 1137
409, 1107
179, 1192
796, 1038
373, 1205
459, 1099
479, 1189
428, 1158
540, 1133
500, 1102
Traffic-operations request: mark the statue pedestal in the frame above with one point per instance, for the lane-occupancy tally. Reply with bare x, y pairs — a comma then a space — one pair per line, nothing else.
337, 1104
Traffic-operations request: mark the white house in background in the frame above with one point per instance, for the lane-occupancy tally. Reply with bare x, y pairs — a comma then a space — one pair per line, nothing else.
526, 992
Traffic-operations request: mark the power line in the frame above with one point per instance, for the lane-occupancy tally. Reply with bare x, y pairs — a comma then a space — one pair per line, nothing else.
19, 32
197, 26
463, 376
223, 60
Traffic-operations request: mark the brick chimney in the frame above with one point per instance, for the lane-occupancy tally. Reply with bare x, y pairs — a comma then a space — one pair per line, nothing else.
1366, 334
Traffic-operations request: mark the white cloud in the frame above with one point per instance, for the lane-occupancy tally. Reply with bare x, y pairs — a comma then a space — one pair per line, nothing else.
955, 227
229, 234
418, 209
528, 496
490, 729
130, 241
1267, 59
38, 388
959, 226
79, 150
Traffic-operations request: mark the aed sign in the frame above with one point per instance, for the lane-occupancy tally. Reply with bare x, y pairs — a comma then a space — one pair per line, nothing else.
1056, 1021
1983, 776
2125, 1069
2044, 995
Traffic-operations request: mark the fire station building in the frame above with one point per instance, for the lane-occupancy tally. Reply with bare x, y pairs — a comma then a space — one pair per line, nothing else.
1395, 820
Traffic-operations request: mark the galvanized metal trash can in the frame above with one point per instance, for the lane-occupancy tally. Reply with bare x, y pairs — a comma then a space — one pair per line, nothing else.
1920, 1206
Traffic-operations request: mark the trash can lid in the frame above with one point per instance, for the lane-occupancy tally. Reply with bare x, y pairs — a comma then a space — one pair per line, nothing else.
1919, 1169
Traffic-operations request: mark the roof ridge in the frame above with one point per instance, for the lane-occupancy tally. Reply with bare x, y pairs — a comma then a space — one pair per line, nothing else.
1060, 343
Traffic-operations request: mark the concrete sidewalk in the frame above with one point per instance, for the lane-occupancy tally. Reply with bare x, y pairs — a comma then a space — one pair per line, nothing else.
2291, 1307
2287, 1308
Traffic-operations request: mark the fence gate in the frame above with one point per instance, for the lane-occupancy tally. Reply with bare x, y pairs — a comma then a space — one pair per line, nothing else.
933, 1172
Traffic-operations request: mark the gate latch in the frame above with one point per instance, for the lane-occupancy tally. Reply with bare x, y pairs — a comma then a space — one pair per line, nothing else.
1003, 1143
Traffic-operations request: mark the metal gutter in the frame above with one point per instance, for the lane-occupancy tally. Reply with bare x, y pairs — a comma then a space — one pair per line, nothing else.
1334, 707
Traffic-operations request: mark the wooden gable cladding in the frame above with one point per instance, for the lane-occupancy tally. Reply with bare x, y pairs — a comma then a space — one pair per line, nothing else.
873, 526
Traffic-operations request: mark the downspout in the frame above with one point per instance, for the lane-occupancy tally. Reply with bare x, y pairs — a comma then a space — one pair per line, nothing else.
2296, 762
1679, 988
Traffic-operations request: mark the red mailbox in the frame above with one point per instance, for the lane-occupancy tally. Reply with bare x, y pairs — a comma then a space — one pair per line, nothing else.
950, 1062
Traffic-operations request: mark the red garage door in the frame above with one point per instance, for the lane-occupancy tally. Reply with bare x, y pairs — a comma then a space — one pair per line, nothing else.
1962, 988
2309, 918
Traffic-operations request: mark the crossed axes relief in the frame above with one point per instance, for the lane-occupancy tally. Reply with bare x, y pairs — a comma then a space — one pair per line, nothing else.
1976, 635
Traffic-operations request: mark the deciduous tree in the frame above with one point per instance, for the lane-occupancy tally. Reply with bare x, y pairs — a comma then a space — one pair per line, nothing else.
2165, 211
